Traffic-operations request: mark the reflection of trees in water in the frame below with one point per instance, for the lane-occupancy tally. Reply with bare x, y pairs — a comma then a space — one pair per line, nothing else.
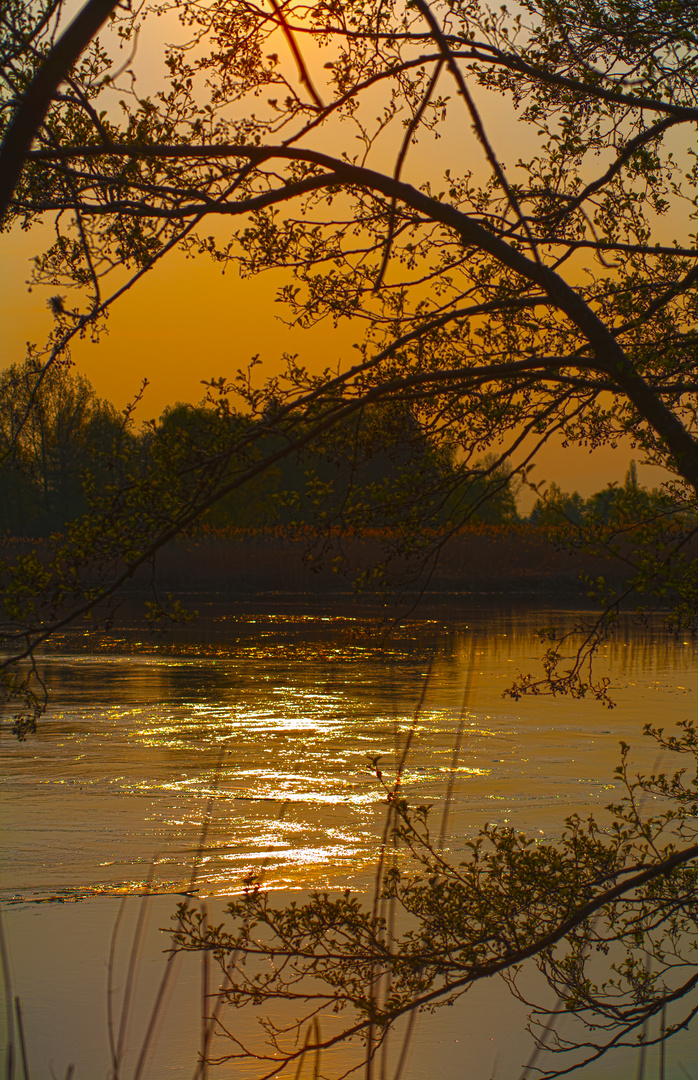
213, 662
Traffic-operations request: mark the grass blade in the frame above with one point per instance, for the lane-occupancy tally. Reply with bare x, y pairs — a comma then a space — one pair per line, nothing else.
22, 1043
7, 988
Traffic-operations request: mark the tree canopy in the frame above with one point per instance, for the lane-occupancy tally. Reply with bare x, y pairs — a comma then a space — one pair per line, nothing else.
499, 296
50, 436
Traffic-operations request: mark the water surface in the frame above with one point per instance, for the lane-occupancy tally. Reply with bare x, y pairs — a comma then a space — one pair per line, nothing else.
247, 745
267, 727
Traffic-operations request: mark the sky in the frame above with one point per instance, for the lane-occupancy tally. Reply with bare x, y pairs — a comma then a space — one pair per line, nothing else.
186, 322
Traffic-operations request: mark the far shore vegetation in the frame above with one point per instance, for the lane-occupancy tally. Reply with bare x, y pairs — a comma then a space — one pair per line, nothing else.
62, 441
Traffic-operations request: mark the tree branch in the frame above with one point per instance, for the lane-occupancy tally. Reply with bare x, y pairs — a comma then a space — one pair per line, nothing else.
34, 104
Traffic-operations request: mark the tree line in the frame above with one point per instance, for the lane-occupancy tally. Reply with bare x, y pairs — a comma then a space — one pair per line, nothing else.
59, 441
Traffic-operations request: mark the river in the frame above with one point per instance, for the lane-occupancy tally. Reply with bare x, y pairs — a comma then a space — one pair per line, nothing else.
243, 745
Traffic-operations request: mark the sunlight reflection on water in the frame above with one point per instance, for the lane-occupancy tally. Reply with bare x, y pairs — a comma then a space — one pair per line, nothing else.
269, 724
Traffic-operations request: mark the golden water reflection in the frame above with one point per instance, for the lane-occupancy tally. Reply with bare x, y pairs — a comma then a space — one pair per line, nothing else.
264, 727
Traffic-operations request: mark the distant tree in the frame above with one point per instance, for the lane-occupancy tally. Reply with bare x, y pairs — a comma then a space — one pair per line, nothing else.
378, 468
601, 505
627, 502
185, 431
558, 508
52, 434
485, 492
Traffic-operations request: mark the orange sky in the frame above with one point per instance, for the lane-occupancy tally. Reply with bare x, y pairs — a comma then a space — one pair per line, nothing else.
186, 322
183, 322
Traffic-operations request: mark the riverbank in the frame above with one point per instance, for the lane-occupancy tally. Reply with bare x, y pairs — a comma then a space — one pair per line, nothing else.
519, 560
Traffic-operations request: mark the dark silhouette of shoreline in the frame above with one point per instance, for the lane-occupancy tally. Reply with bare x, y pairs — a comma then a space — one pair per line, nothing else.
519, 561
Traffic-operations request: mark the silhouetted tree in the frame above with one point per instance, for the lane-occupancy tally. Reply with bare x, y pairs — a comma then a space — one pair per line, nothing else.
52, 433
558, 507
